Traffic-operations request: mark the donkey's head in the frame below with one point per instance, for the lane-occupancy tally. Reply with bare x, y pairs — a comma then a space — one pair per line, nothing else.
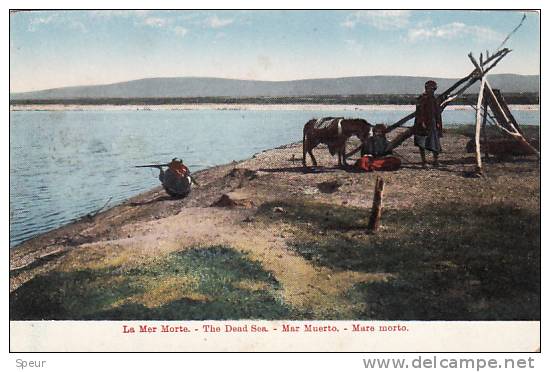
362, 129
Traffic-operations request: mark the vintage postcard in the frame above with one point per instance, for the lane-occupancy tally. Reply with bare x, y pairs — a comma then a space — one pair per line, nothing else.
275, 180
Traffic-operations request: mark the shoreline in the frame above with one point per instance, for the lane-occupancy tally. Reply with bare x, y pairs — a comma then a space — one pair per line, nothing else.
236, 107
262, 238
159, 190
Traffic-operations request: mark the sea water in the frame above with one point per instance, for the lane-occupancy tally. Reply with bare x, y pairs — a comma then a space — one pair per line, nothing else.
65, 164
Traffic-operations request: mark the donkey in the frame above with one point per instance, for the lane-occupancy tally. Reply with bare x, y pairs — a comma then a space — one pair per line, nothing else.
334, 132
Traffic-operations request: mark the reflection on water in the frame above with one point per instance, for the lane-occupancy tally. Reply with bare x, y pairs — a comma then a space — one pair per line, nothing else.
64, 165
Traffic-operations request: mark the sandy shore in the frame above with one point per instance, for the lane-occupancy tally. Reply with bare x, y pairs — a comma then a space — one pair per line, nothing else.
284, 243
251, 107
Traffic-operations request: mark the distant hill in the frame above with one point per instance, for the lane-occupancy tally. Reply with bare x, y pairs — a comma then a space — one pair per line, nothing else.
216, 87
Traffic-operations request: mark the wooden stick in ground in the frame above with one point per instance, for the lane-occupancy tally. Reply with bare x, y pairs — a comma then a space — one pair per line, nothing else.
478, 125
376, 213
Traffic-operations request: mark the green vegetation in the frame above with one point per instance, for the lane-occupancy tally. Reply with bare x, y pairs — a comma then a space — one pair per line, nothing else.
199, 283
447, 261
359, 99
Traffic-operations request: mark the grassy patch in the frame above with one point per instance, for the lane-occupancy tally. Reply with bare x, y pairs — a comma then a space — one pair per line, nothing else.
314, 214
449, 261
200, 283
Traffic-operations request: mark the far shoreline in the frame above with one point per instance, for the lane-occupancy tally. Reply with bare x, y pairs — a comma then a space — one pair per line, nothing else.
239, 107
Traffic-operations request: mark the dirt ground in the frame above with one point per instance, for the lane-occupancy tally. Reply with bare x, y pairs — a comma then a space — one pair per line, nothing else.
296, 246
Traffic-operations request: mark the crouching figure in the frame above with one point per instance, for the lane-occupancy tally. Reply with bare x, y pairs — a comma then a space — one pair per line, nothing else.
176, 179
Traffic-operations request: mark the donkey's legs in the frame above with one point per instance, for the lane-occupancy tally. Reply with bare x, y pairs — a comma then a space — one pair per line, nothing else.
310, 152
304, 143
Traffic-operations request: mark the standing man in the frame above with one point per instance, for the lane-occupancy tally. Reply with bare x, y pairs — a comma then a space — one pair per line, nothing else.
428, 127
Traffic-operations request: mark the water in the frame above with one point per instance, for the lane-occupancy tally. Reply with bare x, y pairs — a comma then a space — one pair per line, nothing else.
64, 165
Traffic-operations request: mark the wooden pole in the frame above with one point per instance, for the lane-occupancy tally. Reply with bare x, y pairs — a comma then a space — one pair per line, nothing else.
353, 152
447, 96
506, 124
484, 129
475, 75
400, 122
399, 139
376, 212
507, 111
499, 111
478, 125
511, 130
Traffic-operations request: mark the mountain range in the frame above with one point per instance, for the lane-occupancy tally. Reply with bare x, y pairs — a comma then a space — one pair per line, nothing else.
175, 87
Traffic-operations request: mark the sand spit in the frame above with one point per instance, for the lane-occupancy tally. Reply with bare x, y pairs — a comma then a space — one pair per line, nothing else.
250, 107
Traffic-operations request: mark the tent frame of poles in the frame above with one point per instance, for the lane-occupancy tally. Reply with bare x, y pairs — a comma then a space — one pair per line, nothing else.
488, 98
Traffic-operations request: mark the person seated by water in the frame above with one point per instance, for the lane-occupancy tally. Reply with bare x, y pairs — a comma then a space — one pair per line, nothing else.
377, 143
176, 180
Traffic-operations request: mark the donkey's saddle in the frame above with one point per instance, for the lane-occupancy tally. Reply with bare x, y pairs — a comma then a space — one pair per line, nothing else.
325, 123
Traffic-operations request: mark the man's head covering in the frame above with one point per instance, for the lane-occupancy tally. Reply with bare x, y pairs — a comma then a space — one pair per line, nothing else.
178, 167
379, 129
430, 84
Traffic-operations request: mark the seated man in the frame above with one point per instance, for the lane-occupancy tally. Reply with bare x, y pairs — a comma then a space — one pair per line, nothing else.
377, 143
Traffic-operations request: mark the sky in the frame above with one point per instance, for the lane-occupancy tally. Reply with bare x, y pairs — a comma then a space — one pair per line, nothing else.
50, 49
